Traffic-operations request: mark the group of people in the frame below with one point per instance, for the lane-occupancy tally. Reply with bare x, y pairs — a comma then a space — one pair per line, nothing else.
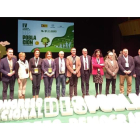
71, 67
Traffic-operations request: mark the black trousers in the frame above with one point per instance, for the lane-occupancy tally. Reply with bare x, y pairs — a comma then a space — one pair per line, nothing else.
73, 85
85, 82
36, 84
137, 84
108, 81
11, 84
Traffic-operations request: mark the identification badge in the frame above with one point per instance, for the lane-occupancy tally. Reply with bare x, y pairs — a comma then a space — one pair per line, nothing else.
49, 70
35, 70
62, 70
11, 71
74, 67
126, 64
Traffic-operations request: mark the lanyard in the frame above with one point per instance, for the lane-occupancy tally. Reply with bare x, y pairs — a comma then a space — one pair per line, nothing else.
126, 59
74, 61
36, 63
49, 61
10, 63
61, 62
98, 61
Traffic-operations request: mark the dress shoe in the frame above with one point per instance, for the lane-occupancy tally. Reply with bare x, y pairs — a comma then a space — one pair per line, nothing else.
23, 95
20, 97
83, 95
57, 97
96, 94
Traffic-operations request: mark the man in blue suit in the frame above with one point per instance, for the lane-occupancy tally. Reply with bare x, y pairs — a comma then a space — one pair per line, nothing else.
7, 68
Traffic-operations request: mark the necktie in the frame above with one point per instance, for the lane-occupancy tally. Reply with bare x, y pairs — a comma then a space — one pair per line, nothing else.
10, 63
61, 66
85, 64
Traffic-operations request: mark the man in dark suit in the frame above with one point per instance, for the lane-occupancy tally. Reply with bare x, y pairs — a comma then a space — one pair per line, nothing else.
137, 72
126, 67
85, 71
60, 74
7, 68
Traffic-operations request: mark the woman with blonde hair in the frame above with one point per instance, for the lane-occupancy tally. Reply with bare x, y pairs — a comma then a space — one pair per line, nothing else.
22, 73
48, 68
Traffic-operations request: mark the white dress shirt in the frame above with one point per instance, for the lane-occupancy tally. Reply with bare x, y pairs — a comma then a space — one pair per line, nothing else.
126, 58
86, 61
63, 65
49, 60
112, 62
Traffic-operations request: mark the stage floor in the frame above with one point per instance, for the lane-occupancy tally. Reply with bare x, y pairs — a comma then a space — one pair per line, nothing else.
65, 119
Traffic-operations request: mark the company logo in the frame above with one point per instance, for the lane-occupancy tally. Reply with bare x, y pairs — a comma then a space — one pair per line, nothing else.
52, 26
24, 26
44, 25
60, 26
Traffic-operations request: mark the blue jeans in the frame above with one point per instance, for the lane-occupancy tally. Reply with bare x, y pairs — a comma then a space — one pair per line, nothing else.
61, 79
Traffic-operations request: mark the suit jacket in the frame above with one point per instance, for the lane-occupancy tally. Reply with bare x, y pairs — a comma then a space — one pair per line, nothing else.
121, 63
57, 67
69, 64
137, 65
82, 64
111, 68
32, 66
5, 69
96, 66
45, 66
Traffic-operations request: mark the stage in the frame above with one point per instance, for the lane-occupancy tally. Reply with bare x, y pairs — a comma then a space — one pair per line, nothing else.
65, 119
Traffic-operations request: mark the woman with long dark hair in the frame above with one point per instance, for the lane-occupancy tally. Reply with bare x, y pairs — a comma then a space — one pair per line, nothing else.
97, 70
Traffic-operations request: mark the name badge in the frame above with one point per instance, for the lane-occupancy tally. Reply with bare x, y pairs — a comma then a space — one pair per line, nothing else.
62, 70
49, 70
74, 67
126, 64
35, 70
11, 70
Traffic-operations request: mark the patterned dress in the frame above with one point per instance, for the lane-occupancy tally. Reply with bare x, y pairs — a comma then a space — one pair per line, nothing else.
98, 78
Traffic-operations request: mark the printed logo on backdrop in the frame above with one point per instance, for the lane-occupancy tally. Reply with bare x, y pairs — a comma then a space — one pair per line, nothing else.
45, 35
52, 26
44, 25
26, 35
